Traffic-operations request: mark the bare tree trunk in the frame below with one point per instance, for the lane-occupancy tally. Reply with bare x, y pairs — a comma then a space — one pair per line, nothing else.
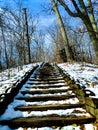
27, 35
92, 35
23, 57
62, 28
92, 18
0, 60
86, 13
5, 48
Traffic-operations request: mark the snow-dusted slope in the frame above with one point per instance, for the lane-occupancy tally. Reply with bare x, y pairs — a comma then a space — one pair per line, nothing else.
13, 75
83, 73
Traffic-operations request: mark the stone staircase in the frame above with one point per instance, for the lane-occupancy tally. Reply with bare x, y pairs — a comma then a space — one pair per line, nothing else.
49, 102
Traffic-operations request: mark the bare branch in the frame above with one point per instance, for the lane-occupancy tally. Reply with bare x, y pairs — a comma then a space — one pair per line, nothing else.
68, 10
83, 7
76, 6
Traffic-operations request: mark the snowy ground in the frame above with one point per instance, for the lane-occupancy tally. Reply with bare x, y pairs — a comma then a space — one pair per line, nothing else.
72, 127
13, 75
85, 74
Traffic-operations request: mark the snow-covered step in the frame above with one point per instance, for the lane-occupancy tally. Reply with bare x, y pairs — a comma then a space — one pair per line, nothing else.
48, 121
46, 98
42, 89
47, 79
49, 74
48, 94
49, 102
48, 107
45, 82
46, 101
45, 91
46, 86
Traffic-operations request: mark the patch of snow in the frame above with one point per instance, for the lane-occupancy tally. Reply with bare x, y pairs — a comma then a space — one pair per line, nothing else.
55, 94
66, 112
10, 113
84, 74
90, 127
70, 127
13, 75
56, 84
67, 101
33, 89
4, 127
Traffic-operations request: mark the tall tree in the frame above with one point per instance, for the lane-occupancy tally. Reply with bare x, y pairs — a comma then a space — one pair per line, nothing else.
27, 34
62, 28
85, 11
5, 47
38, 40
13, 36
56, 39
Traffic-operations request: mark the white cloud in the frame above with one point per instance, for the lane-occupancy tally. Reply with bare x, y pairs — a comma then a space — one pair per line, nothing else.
47, 21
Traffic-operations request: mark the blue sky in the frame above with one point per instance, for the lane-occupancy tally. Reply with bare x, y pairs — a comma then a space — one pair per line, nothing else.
33, 4
36, 7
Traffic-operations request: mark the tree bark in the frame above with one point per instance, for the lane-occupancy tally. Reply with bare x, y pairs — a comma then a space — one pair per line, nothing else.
87, 15
62, 28
27, 35
5, 48
92, 18
0, 60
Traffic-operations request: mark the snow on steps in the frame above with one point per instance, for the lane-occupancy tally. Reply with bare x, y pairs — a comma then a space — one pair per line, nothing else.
56, 114
88, 94
7, 98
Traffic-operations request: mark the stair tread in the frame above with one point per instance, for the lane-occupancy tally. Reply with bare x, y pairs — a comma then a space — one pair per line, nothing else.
46, 91
45, 82
46, 98
48, 79
48, 107
47, 121
46, 86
